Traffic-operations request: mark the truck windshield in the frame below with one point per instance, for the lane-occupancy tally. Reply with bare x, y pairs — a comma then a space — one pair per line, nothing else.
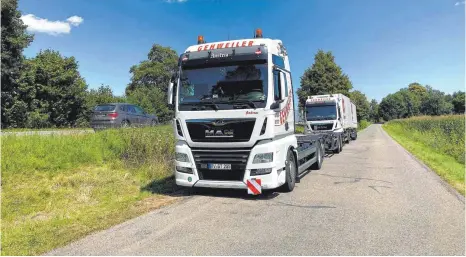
321, 112
242, 85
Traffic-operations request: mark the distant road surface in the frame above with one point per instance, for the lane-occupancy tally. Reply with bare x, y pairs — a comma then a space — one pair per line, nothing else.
371, 199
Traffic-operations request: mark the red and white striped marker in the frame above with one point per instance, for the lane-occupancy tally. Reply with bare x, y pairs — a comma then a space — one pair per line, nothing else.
254, 186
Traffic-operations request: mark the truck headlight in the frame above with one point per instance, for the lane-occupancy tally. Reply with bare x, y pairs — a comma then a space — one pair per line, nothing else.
263, 158
181, 157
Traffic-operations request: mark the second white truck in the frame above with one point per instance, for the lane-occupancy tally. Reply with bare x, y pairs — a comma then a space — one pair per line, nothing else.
333, 115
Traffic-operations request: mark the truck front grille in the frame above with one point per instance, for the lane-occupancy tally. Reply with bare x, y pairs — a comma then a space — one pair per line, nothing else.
221, 130
237, 157
327, 126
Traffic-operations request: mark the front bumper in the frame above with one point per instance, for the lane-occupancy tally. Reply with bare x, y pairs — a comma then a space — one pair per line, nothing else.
330, 138
274, 179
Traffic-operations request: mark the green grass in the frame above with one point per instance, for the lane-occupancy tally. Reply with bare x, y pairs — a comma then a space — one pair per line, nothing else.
56, 189
299, 128
363, 124
437, 141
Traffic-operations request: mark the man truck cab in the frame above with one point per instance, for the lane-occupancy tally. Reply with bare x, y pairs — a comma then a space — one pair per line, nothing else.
334, 115
234, 116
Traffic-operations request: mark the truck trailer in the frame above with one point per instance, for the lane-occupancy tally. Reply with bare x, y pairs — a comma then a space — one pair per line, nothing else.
332, 115
234, 117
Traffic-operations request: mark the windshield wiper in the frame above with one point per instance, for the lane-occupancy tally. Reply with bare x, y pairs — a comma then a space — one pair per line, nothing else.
197, 105
211, 103
249, 102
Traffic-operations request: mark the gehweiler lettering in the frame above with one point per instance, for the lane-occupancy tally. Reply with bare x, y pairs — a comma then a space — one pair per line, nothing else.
225, 45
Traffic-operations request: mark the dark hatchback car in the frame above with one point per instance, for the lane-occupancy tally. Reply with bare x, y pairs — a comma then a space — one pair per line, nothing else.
117, 115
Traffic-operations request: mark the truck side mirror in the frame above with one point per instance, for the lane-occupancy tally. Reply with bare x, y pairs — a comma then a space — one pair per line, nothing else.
276, 104
170, 94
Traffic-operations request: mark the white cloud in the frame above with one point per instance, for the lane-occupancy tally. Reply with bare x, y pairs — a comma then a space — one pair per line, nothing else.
40, 25
175, 1
460, 3
75, 20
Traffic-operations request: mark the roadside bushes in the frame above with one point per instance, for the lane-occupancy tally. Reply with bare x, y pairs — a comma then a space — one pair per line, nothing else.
442, 133
133, 148
363, 124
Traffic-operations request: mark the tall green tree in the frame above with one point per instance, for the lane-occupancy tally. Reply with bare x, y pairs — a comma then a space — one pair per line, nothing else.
53, 90
374, 111
417, 88
14, 40
324, 77
392, 106
152, 100
362, 104
151, 77
101, 95
458, 99
435, 103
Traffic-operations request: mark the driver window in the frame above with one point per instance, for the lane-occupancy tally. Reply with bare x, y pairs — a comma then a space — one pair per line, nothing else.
285, 85
277, 76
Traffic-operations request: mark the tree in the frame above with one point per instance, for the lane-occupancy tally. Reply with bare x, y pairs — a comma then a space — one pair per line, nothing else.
417, 88
150, 78
14, 40
435, 103
103, 94
362, 104
53, 91
156, 71
152, 100
374, 111
412, 102
324, 77
392, 107
458, 99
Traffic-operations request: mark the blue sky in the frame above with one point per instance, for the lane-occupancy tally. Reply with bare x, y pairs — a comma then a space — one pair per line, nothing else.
383, 45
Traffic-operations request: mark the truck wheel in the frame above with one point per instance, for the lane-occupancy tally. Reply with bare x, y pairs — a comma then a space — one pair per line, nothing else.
320, 159
291, 172
338, 150
354, 135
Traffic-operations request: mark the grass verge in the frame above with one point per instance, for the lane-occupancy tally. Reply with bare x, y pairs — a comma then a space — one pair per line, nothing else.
56, 189
436, 141
363, 124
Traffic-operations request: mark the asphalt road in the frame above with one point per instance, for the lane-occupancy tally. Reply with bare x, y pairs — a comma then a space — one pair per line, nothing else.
371, 199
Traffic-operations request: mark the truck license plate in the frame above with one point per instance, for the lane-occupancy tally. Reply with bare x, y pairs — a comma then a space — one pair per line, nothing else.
217, 166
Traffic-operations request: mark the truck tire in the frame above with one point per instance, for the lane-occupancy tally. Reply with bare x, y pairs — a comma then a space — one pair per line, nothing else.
291, 172
354, 135
338, 149
320, 158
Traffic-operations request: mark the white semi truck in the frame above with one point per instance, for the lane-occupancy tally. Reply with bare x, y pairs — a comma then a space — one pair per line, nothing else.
333, 115
234, 117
